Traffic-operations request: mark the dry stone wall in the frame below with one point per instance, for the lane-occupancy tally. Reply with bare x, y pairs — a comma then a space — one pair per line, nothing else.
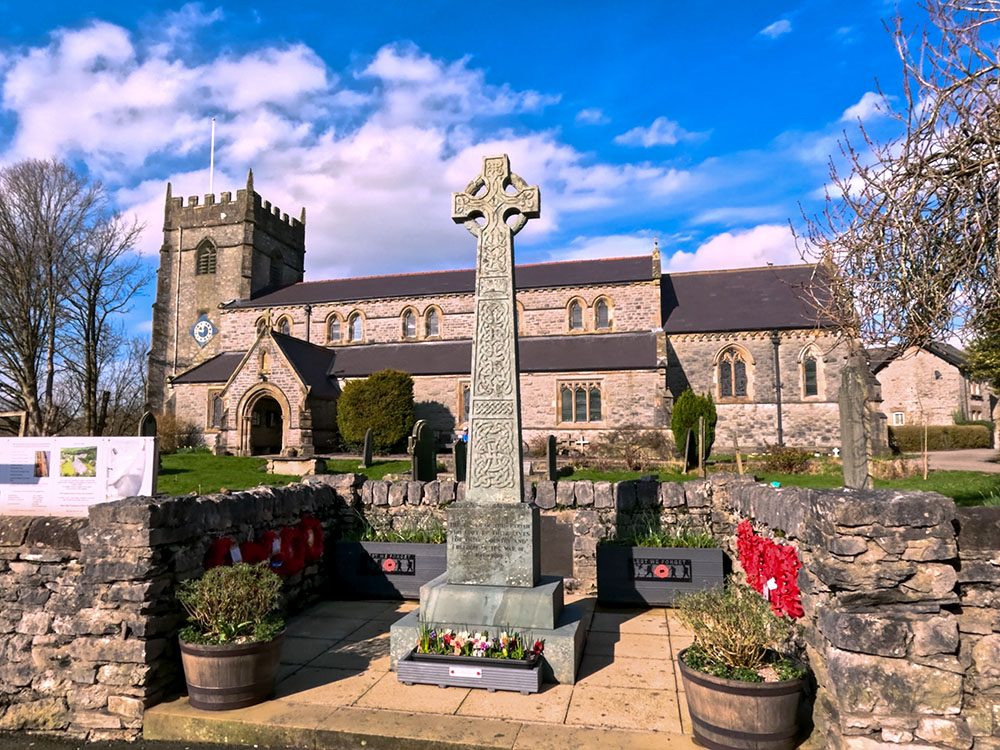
901, 593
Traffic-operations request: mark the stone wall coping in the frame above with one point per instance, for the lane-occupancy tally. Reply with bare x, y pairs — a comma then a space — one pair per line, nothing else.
49, 532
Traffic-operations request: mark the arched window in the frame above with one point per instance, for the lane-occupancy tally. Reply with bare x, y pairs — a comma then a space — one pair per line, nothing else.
432, 323
519, 317
261, 324
265, 362
409, 324
811, 363
333, 332
284, 325
575, 316
205, 258
356, 327
580, 402
734, 377
602, 315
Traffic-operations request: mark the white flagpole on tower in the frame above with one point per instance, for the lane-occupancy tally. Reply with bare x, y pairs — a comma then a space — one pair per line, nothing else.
211, 162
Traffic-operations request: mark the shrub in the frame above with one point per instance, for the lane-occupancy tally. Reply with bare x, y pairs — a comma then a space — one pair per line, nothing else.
383, 402
176, 434
909, 439
734, 631
635, 447
232, 604
783, 459
645, 529
688, 407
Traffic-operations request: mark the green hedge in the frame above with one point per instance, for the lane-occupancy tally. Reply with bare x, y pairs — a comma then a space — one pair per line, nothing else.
939, 437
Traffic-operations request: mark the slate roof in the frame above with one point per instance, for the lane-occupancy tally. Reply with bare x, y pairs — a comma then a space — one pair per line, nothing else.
531, 276
598, 352
749, 299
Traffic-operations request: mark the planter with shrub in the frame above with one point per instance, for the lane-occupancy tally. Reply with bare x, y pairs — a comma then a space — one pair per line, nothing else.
643, 564
386, 563
231, 648
742, 693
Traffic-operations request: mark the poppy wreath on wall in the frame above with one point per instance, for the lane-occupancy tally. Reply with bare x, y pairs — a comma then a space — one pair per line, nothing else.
772, 569
312, 533
222, 551
293, 551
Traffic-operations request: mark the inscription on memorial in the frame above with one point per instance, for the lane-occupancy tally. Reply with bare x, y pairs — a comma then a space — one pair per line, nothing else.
492, 541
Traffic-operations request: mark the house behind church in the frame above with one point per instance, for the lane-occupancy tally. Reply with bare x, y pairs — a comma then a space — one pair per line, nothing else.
256, 357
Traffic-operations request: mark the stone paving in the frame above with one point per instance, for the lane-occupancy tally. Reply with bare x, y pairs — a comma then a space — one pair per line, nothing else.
335, 688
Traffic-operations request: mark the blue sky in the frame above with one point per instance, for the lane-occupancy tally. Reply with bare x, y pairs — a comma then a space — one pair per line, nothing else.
702, 124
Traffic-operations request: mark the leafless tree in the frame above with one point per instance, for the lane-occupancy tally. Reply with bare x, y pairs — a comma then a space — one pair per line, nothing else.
909, 240
65, 268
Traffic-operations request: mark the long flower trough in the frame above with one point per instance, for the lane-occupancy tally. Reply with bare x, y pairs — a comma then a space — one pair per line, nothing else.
462, 671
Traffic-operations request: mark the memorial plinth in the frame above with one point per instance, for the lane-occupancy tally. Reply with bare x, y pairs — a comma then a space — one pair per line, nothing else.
494, 581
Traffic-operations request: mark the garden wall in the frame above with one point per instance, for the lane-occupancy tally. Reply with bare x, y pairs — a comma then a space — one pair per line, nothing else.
900, 592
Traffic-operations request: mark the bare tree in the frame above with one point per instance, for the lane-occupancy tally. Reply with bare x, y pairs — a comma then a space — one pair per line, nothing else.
65, 269
909, 239
106, 276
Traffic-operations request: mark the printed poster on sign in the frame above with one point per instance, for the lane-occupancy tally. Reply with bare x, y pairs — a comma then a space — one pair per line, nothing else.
63, 476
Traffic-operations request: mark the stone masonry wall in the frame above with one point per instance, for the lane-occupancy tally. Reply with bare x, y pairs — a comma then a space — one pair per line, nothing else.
900, 593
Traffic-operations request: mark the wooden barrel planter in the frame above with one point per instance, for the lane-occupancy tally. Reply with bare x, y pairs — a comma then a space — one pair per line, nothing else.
220, 678
734, 715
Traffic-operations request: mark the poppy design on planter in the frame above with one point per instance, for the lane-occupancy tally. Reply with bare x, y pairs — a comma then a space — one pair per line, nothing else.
772, 570
648, 568
661, 571
389, 565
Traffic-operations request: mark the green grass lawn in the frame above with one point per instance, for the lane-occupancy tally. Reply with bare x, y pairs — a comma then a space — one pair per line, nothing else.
965, 487
183, 473
377, 470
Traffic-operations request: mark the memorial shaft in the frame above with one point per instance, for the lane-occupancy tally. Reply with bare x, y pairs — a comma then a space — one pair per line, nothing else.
495, 472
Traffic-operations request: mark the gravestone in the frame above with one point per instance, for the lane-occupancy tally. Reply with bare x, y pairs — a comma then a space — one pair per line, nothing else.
368, 449
460, 451
551, 470
690, 451
423, 452
147, 425
853, 402
494, 576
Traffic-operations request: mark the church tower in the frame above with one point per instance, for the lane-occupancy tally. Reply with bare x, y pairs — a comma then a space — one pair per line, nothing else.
212, 253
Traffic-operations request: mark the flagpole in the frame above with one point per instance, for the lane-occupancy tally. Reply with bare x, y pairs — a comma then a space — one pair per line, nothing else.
211, 162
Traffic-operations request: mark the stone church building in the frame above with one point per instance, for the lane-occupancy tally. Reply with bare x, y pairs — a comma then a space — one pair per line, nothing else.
256, 357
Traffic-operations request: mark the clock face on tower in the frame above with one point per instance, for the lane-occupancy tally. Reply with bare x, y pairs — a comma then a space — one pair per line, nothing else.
203, 330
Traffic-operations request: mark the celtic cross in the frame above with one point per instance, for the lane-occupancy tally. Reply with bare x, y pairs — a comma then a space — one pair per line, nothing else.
495, 197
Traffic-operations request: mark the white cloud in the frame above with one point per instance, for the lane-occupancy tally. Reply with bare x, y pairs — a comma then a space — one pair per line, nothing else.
607, 246
663, 132
736, 214
776, 29
592, 116
871, 105
763, 244
374, 155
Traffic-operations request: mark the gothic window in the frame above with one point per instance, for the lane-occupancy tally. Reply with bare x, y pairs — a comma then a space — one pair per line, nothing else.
602, 315
432, 323
580, 402
265, 363
284, 325
333, 332
215, 407
356, 327
810, 382
518, 317
261, 323
733, 374
205, 259
575, 316
409, 325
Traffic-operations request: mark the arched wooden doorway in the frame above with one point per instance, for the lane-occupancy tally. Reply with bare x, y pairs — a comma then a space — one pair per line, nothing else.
263, 422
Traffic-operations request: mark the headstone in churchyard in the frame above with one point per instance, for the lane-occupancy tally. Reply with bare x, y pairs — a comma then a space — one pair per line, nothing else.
552, 471
367, 449
423, 450
853, 401
147, 425
460, 450
690, 451
702, 468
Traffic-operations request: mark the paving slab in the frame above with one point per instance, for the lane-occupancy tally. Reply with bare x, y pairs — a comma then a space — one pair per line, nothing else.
335, 690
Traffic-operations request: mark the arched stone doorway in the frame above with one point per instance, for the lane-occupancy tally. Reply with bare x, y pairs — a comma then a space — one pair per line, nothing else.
263, 422
266, 427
